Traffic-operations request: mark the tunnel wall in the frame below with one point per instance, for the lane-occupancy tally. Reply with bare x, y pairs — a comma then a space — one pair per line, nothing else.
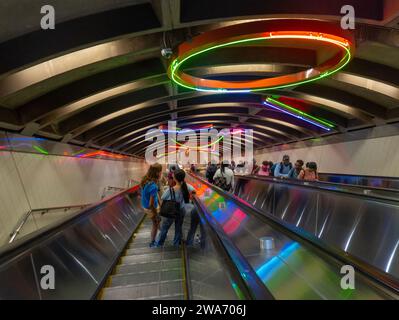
376, 157
31, 181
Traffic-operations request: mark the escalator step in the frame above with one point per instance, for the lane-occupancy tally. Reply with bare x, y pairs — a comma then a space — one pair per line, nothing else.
149, 266
148, 291
150, 257
144, 250
145, 278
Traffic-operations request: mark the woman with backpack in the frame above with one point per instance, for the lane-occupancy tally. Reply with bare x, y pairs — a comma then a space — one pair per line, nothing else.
150, 197
176, 202
224, 177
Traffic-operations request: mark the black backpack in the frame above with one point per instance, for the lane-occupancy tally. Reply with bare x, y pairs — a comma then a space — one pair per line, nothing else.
221, 182
170, 208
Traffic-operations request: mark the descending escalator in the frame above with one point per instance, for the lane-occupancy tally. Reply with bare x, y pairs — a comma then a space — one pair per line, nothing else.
200, 273
146, 273
102, 253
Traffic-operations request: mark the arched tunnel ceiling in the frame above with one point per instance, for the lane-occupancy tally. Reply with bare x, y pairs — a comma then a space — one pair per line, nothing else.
100, 80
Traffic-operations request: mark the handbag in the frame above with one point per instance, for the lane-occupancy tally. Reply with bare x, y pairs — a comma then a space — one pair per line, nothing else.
170, 208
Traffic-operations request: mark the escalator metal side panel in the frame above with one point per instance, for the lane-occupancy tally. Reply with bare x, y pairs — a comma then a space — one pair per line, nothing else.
81, 254
367, 230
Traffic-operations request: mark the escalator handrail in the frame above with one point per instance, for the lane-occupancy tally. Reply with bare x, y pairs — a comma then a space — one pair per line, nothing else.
311, 185
251, 285
351, 185
40, 235
187, 281
359, 176
371, 272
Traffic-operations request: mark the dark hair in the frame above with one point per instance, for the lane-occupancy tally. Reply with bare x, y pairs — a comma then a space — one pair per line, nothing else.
300, 162
172, 168
265, 163
152, 174
223, 166
312, 165
180, 175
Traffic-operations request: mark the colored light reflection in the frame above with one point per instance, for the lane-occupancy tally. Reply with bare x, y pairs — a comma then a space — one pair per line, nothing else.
226, 213
268, 270
234, 222
280, 106
101, 153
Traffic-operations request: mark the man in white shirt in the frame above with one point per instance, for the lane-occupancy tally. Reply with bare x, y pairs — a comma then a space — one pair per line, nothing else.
224, 173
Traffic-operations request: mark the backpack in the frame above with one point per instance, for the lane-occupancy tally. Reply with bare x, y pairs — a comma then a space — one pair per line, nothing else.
170, 208
272, 169
210, 172
221, 182
282, 165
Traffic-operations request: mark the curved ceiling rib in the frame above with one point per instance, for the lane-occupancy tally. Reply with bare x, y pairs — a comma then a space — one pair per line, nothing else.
107, 83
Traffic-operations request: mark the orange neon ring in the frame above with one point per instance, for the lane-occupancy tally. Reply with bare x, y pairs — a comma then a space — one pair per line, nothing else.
311, 30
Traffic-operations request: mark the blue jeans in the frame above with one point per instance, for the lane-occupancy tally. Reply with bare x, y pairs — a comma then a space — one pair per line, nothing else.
195, 220
166, 224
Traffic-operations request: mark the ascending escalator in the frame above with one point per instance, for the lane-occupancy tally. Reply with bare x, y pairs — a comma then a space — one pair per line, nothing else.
294, 267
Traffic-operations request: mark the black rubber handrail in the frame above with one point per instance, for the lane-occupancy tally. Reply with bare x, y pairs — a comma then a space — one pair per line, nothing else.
356, 186
360, 176
375, 275
310, 185
251, 286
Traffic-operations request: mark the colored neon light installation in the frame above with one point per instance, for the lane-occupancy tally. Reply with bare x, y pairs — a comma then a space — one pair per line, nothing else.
262, 32
283, 107
198, 148
41, 150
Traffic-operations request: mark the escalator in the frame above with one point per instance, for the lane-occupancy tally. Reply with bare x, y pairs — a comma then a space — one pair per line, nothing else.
363, 226
296, 266
146, 273
102, 253
171, 273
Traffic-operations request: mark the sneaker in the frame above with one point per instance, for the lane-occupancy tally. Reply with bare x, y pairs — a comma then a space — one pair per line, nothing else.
153, 244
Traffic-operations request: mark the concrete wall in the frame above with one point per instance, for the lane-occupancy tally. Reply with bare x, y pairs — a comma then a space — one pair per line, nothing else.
376, 157
31, 181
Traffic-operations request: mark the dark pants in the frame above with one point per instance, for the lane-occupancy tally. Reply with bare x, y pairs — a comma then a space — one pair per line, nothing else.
195, 220
166, 224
